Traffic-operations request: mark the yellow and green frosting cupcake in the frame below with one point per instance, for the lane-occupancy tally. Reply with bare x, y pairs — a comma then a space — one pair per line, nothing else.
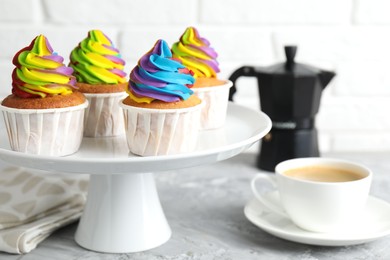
196, 54
96, 60
40, 72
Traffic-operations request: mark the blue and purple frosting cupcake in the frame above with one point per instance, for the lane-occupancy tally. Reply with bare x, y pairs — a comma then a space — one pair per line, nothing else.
161, 113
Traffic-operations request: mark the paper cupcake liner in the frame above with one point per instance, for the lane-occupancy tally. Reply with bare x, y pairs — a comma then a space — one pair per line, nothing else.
104, 116
161, 131
54, 132
215, 100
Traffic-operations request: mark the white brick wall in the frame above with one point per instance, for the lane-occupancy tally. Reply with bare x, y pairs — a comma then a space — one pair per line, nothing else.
350, 37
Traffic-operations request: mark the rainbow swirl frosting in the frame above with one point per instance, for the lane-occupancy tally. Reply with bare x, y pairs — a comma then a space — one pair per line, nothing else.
40, 72
160, 77
96, 61
196, 54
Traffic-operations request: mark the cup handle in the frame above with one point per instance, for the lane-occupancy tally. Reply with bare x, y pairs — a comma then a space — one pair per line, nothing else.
266, 202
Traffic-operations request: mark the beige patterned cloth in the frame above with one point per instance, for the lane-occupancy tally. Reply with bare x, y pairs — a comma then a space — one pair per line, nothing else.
33, 204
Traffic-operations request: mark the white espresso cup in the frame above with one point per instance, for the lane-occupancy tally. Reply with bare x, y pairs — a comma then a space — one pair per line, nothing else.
318, 194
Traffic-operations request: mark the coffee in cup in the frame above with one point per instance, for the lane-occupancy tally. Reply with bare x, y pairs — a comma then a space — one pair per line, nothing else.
323, 174
318, 194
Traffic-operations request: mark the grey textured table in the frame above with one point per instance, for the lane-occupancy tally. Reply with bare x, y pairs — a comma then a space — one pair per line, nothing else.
204, 207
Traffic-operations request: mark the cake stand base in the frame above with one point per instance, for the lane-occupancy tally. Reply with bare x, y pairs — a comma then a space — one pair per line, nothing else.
123, 214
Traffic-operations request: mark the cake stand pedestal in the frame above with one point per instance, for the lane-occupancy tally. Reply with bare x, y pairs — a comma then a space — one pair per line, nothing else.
123, 213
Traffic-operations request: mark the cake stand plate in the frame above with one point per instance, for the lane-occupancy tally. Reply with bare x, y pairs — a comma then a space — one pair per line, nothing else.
123, 213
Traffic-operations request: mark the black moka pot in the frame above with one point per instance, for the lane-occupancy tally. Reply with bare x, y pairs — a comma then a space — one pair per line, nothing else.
290, 95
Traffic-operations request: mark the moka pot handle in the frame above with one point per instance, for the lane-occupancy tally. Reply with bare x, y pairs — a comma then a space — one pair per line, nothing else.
246, 71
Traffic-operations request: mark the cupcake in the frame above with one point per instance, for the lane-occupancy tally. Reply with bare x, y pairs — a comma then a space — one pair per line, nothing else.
197, 55
44, 114
98, 68
161, 113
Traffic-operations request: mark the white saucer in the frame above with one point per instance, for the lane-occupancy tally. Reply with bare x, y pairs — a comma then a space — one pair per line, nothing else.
375, 224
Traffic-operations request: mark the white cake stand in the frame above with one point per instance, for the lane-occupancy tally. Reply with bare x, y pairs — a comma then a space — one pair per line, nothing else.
123, 213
